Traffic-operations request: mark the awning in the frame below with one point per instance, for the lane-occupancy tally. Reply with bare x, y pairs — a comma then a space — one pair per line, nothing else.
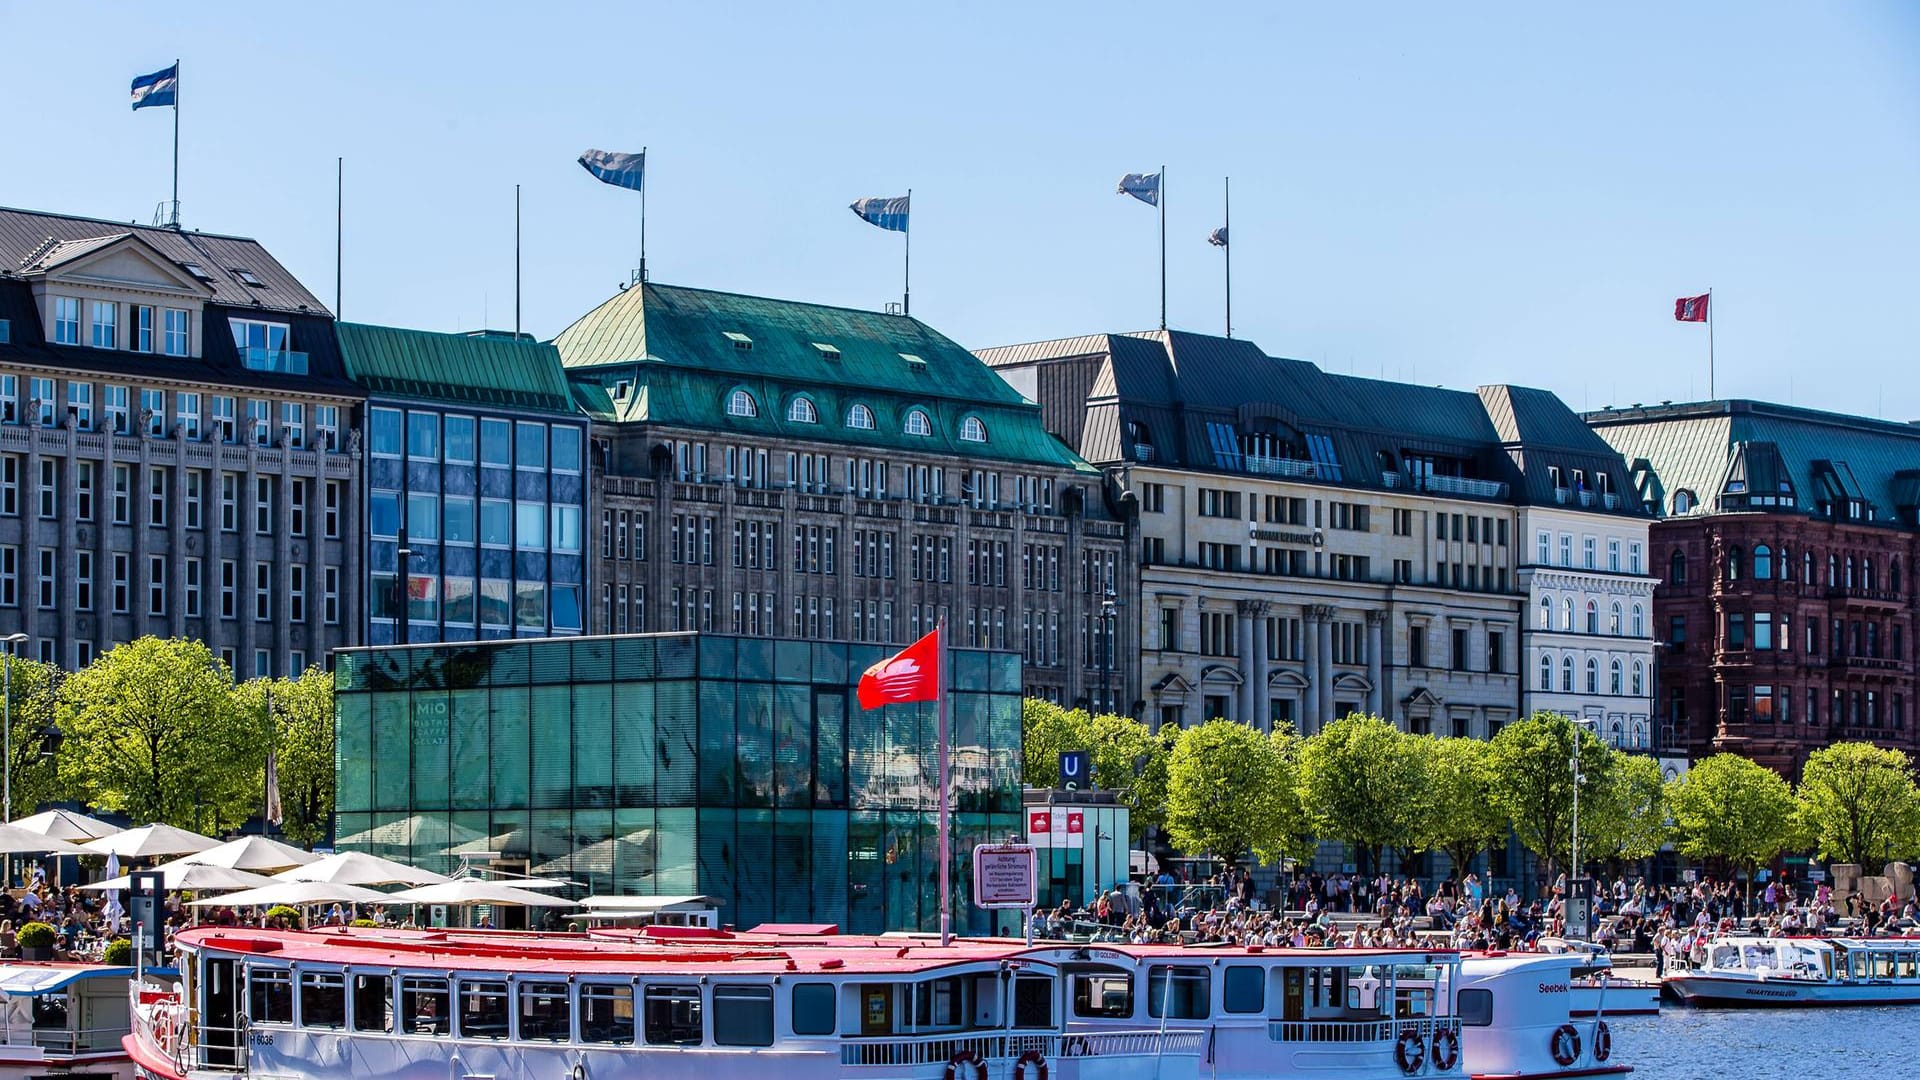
32, 980
649, 904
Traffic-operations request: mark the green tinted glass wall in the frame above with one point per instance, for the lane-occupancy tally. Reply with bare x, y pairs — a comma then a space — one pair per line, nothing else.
674, 764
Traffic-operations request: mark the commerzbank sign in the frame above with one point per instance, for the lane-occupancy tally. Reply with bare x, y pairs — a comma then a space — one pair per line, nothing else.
1314, 538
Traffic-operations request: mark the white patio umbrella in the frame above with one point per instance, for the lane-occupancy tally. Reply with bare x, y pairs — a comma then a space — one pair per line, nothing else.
15, 840
150, 841
257, 853
360, 868
298, 894
175, 876
466, 892
67, 825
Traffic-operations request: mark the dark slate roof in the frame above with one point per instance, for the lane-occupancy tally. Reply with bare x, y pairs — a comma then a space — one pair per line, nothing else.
686, 350
1698, 447
29, 238
1183, 392
484, 368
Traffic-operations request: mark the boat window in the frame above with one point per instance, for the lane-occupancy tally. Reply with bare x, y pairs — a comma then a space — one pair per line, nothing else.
743, 1015
1032, 1002
1883, 965
1726, 957
1758, 956
673, 1015
372, 1003
323, 999
1182, 993
938, 1003
269, 995
544, 1012
606, 1014
483, 1009
1907, 966
1244, 989
1103, 995
1476, 1007
424, 1006
1363, 990
50, 1011
813, 1009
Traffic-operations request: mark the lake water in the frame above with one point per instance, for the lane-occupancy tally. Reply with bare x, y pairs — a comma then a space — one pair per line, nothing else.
1760, 1044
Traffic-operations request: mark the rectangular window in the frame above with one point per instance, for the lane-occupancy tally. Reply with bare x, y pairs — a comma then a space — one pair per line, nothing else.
423, 436
330, 521
260, 420
114, 405
80, 404
153, 406
1244, 989
156, 584
192, 588
49, 488
43, 400
66, 320
742, 1015
326, 426
264, 346
1178, 992
323, 999
143, 328
483, 1009
293, 419
606, 1013
157, 495
9, 576
330, 596
459, 443
230, 589
530, 526
105, 325
269, 995
496, 522
262, 592
10, 485
530, 444
546, 1014
175, 343
83, 488
122, 583
263, 505
673, 1016
496, 443
297, 593
83, 581
187, 412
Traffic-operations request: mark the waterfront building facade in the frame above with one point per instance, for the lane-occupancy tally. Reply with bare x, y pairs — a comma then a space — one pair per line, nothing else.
679, 763
1784, 549
175, 448
476, 481
1311, 544
793, 470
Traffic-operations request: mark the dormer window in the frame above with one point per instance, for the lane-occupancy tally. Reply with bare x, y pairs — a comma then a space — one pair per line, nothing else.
66, 320
740, 341
175, 339
263, 346
918, 424
801, 411
860, 418
914, 361
827, 352
104, 327
741, 403
972, 430
1683, 502
622, 389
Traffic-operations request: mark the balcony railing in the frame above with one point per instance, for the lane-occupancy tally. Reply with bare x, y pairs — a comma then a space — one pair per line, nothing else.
1855, 592
1142, 451
279, 361
1561, 495
1460, 485
1390, 478
1586, 497
1610, 500
1280, 466
1867, 663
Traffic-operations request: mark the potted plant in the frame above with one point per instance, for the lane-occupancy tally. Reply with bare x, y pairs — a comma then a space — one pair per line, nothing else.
283, 917
36, 941
118, 953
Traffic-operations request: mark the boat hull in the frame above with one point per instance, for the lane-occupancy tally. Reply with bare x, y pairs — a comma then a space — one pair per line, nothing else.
1722, 992
1621, 999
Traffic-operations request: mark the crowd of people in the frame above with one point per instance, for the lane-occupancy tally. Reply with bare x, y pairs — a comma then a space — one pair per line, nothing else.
83, 922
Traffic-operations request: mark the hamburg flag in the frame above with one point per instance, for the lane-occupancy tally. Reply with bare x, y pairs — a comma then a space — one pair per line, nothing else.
160, 88
1142, 186
613, 167
1691, 308
912, 674
887, 213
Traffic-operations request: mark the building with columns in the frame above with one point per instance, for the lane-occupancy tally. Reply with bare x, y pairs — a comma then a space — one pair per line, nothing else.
784, 469
174, 450
1313, 544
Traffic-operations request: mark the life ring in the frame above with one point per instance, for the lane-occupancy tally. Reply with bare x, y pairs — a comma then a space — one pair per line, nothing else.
1565, 1045
1446, 1049
579, 1071
966, 1057
1034, 1058
1602, 1041
1410, 1052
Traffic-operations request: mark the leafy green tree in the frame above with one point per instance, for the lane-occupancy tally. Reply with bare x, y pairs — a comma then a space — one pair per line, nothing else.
1128, 757
1860, 804
1530, 764
1461, 818
1626, 818
1730, 808
1364, 782
1230, 793
301, 711
35, 770
153, 730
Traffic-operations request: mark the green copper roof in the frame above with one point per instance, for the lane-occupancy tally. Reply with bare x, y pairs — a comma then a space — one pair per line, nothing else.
485, 368
683, 353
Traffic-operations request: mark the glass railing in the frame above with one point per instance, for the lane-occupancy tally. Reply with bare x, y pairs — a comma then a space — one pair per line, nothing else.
279, 361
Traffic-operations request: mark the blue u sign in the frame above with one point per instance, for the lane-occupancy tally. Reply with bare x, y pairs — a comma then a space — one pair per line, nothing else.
1076, 770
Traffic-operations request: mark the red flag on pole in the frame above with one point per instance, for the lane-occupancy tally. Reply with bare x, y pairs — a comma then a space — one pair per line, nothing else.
912, 674
1691, 308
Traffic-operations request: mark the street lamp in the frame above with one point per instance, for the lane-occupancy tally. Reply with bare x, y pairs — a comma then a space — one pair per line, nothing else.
6, 719
403, 583
1574, 871
1108, 609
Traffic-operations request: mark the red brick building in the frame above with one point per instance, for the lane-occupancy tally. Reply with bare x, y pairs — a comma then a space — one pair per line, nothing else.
1785, 545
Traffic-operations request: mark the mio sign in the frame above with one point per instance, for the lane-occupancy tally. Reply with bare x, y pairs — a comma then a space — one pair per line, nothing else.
1005, 876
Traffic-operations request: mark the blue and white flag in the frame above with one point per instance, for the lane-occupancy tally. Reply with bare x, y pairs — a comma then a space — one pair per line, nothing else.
887, 213
1218, 237
1142, 186
160, 88
620, 170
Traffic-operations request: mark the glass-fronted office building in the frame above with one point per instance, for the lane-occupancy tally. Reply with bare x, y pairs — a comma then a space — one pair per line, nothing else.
679, 764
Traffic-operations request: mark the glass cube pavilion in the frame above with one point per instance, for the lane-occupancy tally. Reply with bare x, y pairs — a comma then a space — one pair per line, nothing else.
679, 764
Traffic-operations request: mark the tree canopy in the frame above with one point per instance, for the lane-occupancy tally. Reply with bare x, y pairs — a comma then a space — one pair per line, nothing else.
1626, 817
1728, 807
1363, 781
1128, 758
301, 713
1531, 765
1230, 793
1461, 818
31, 686
1860, 805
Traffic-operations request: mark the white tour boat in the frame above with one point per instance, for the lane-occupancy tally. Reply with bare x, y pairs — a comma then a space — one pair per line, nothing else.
1774, 971
1516, 1018
63, 1018
1594, 987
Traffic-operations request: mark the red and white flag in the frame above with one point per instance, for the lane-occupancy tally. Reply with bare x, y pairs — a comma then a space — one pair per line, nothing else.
912, 674
1691, 308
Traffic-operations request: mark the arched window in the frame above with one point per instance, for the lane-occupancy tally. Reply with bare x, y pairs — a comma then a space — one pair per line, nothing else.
1833, 570
1677, 568
1762, 562
1617, 734
917, 423
1786, 562
1806, 568
1593, 675
1683, 502
1849, 571
1613, 619
1893, 577
1566, 614
1735, 557
1546, 672
1639, 679
1566, 675
803, 412
1639, 734
741, 403
1593, 617
861, 417
1639, 621
972, 430
1614, 672
1546, 613
1866, 573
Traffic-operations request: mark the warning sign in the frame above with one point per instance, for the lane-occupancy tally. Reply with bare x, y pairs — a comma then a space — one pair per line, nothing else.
1004, 876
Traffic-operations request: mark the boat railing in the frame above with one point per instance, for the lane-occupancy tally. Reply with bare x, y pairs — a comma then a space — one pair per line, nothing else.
159, 1020
68, 1042
1359, 1031
1008, 1046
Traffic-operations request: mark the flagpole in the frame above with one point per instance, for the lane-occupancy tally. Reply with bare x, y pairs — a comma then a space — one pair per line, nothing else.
516, 261
1163, 247
906, 298
339, 225
946, 838
1227, 224
643, 214
1712, 392
176, 142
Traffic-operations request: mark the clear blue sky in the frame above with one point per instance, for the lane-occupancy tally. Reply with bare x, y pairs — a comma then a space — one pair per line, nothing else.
1451, 194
